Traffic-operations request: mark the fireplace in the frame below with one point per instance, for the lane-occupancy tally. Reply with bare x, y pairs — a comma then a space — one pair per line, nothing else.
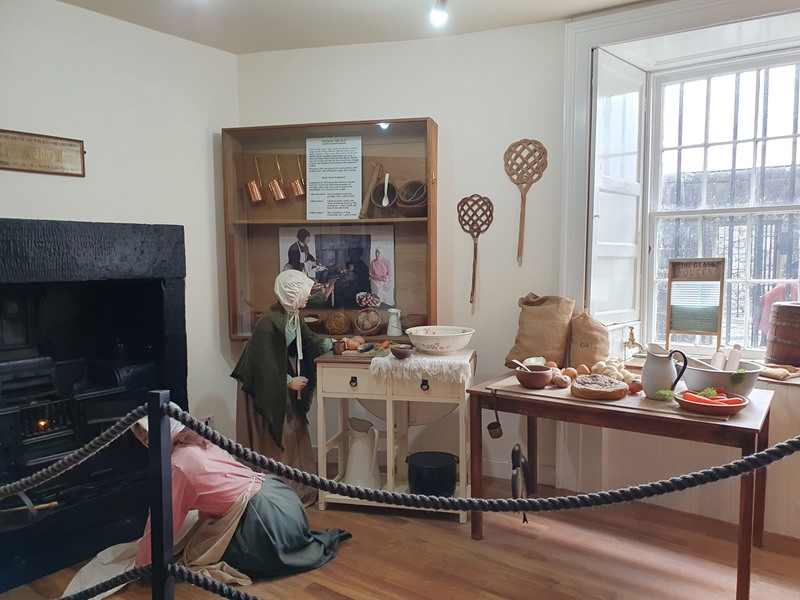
92, 316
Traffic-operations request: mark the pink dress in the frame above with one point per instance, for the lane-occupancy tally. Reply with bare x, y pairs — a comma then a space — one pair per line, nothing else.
380, 279
207, 479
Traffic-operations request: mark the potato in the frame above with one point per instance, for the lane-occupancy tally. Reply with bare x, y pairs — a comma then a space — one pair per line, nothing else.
562, 381
571, 373
552, 364
583, 370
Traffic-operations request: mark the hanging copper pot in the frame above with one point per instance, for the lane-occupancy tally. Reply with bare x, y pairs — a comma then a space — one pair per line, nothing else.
298, 186
253, 188
276, 185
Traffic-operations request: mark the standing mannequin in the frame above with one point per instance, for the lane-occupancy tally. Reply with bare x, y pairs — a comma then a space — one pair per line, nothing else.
278, 377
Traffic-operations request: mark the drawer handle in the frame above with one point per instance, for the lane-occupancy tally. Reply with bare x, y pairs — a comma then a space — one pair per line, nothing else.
425, 386
354, 381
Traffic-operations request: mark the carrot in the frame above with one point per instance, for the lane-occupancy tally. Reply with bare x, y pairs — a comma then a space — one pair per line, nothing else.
732, 401
384, 345
700, 399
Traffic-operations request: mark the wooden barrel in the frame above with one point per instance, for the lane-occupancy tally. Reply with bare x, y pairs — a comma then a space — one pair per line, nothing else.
783, 340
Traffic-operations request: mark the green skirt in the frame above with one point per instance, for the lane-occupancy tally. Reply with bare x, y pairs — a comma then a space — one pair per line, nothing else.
273, 537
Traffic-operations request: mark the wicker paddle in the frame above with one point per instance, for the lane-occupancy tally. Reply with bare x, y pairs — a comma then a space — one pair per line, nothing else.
475, 214
525, 162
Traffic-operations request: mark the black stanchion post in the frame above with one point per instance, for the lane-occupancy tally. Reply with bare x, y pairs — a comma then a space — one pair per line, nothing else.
160, 466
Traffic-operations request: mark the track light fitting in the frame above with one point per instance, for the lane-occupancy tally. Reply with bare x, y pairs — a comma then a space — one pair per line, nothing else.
438, 15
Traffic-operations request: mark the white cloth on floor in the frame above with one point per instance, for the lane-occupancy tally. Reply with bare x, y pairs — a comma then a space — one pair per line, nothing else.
445, 367
116, 560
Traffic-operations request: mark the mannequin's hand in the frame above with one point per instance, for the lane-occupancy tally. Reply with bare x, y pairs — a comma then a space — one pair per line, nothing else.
298, 384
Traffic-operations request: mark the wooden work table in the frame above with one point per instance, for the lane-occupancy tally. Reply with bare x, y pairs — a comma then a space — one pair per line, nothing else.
748, 431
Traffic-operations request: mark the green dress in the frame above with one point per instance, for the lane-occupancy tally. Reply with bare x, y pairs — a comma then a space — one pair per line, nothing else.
273, 536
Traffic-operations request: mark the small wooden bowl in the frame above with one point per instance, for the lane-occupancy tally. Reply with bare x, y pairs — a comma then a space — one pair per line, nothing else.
362, 314
377, 195
401, 351
314, 322
536, 378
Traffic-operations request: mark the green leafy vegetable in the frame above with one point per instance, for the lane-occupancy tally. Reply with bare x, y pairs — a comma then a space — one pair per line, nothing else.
737, 376
709, 392
665, 395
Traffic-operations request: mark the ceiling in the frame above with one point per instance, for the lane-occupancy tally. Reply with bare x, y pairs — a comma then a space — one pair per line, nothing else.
245, 26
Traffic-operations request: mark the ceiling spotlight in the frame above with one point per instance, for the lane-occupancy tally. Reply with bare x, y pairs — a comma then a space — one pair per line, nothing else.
438, 15
383, 125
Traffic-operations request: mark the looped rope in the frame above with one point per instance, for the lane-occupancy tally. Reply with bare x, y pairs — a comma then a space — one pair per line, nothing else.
126, 577
77, 457
736, 468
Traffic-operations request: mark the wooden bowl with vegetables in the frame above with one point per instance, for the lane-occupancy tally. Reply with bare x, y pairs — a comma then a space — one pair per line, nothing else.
711, 401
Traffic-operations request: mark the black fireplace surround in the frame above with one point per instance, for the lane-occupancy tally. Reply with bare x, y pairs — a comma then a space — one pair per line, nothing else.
92, 316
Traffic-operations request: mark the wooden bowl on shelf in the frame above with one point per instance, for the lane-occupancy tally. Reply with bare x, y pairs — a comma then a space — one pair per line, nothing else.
314, 322
368, 321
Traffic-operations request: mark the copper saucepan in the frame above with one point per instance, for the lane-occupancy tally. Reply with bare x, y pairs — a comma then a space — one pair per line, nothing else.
253, 188
276, 185
298, 186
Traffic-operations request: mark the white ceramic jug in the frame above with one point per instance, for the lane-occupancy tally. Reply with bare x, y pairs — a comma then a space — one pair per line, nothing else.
394, 328
362, 457
658, 372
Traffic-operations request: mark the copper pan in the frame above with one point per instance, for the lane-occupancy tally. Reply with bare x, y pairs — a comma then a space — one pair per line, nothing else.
253, 188
298, 186
275, 186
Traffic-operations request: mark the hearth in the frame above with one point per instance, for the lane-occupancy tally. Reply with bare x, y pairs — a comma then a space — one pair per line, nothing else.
92, 316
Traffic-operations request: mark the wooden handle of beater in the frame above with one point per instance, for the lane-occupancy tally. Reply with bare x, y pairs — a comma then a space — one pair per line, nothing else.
474, 265
521, 242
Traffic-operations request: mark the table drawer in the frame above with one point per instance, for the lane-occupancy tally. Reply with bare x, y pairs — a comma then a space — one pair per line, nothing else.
436, 388
347, 381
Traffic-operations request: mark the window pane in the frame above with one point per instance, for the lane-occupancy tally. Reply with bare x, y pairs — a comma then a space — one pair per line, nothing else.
668, 200
780, 94
690, 193
735, 327
693, 124
774, 245
745, 125
669, 116
774, 175
726, 237
721, 118
720, 192
675, 238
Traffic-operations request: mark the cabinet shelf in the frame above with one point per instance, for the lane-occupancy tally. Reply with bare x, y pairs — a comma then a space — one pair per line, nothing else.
260, 232
286, 222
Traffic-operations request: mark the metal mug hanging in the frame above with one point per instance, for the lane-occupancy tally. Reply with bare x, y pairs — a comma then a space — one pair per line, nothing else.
253, 188
275, 186
298, 186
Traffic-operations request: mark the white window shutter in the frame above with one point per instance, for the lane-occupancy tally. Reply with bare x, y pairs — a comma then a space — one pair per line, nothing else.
615, 206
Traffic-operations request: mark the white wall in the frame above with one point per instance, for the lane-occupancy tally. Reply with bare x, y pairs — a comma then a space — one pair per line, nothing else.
149, 108
485, 91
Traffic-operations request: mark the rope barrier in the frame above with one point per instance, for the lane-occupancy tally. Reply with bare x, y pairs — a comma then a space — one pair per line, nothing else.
77, 457
740, 467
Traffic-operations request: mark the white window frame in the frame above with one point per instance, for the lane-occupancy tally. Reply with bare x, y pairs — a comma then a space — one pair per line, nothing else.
615, 27
653, 171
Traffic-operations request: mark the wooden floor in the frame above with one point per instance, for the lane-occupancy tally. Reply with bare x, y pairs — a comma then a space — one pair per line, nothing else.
627, 551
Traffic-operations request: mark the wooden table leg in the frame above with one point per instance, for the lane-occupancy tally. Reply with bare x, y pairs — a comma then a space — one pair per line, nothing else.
762, 443
745, 548
533, 450
476, 461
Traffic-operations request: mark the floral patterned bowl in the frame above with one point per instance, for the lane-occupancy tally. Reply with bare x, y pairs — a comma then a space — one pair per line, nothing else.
439, 339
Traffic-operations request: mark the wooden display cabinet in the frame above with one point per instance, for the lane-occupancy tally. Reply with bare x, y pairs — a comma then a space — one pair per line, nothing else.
257, 233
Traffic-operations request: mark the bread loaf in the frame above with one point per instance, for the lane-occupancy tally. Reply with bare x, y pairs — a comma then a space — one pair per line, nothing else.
598, 387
